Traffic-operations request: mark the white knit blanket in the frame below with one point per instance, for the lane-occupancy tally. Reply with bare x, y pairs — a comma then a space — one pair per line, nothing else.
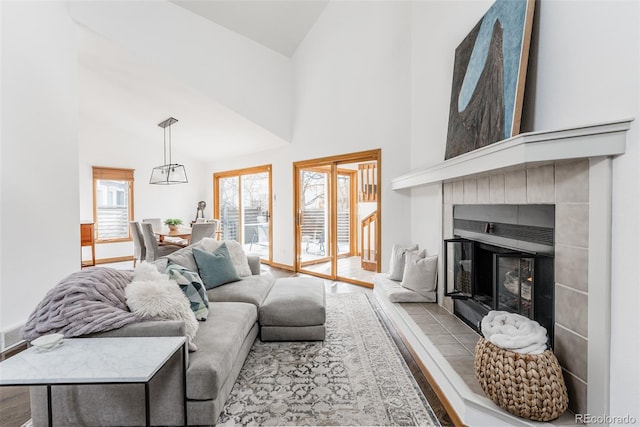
514, 332
88, 301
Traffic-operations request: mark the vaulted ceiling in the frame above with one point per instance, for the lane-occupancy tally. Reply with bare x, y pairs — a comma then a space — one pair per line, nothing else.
122, 84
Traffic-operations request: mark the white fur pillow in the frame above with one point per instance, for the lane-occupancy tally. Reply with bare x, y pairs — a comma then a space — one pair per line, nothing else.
154, 295
236, 252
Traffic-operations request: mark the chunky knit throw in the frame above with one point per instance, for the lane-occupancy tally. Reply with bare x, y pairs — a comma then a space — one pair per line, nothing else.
88, 301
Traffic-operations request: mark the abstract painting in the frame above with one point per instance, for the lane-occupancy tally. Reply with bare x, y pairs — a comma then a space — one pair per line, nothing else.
488, 78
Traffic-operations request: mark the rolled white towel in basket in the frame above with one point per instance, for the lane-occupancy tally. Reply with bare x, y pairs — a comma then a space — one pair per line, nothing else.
514, 332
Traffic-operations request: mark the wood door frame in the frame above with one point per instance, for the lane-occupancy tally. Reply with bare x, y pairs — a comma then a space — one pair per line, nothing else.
239, 173
334, 162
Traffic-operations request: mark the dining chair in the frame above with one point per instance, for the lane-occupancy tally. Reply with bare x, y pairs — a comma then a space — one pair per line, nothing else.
202, 230
139, 248
153, 248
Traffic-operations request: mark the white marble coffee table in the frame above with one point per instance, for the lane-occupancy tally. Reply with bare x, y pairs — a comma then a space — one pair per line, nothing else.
94, 361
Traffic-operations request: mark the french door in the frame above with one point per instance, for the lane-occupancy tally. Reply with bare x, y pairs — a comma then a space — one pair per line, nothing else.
327, 216
242, 202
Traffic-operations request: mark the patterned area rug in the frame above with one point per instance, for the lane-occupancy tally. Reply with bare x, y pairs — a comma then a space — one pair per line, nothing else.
355, 377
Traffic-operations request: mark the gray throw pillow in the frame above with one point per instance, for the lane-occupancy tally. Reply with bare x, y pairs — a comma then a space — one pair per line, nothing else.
184, 257
420, 272
396, 266
215, 268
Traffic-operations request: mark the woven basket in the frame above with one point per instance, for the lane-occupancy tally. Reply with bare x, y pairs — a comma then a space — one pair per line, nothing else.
527, 385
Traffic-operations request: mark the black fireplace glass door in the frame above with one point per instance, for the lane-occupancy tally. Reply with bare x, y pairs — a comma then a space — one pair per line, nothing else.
459, 267
514, 275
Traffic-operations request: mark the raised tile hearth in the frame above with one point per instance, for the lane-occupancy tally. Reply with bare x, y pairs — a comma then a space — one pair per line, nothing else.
455, 342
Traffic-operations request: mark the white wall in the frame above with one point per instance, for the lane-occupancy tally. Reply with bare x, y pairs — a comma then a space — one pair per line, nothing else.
584, 69
39, 166
351, 93
105, 144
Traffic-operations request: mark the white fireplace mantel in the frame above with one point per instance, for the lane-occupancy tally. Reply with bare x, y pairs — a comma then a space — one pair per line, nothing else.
603, 139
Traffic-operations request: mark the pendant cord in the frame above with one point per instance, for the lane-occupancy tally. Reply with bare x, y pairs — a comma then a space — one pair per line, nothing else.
169, 144
164, 152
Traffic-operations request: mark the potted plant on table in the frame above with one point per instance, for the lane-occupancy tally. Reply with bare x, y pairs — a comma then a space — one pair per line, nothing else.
173, 223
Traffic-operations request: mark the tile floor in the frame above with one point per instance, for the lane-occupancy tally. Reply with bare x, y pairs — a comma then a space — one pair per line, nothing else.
348, 267
456, 342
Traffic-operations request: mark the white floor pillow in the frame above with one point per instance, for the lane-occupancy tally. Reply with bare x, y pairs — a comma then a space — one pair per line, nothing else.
154, 295
420, 272
238, 256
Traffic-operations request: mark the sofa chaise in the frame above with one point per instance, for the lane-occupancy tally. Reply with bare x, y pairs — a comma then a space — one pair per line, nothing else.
223, 343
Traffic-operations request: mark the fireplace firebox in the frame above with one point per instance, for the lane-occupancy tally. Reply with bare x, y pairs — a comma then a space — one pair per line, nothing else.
501, 258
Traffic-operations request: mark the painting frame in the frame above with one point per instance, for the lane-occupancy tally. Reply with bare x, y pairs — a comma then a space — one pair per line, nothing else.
489, 76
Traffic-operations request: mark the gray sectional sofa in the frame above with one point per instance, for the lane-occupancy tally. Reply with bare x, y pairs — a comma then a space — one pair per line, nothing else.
223, 341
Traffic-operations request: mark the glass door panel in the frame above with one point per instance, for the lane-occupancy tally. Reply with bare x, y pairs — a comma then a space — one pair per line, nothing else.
354, 252
229, 208
458, 261
242, 201
255, 213
344, 214
314, 220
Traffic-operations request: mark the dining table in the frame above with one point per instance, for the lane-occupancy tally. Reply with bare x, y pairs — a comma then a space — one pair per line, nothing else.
180, 232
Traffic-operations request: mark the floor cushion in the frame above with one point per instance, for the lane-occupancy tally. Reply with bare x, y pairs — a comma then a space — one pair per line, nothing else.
294, 310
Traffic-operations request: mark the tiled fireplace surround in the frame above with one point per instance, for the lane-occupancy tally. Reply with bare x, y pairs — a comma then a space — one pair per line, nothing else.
566, 185
572, 169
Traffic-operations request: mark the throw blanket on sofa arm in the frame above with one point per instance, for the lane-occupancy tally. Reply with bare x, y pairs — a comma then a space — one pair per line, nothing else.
88, 301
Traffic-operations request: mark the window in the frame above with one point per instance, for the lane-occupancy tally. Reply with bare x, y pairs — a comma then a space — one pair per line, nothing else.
112, 203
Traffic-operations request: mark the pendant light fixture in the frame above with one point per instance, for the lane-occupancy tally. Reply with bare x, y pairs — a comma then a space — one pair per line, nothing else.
168, 173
